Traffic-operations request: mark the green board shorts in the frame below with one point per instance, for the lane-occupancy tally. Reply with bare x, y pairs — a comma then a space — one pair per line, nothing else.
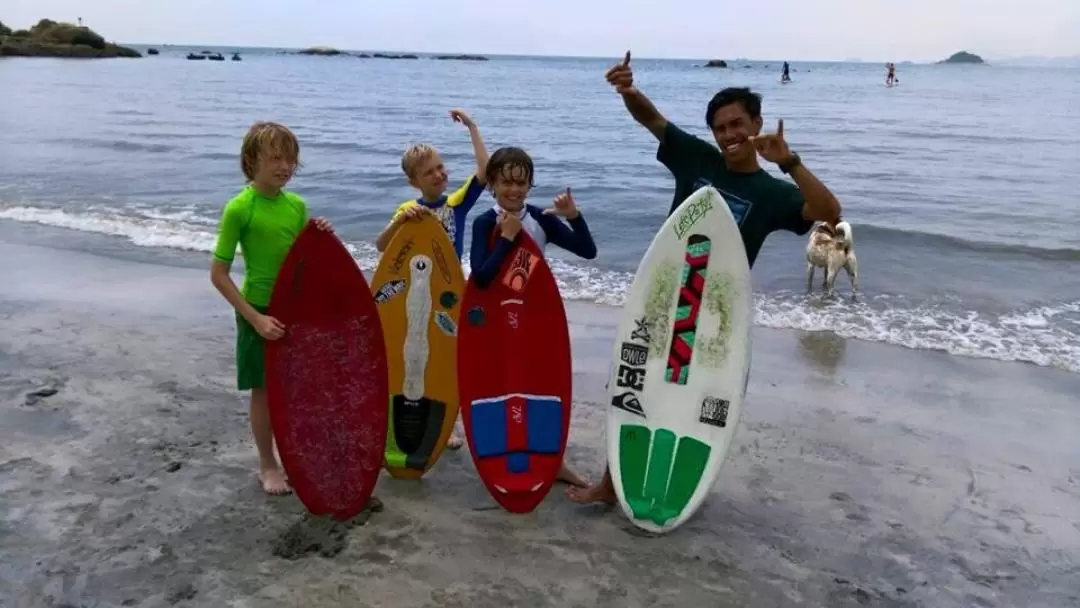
250, 354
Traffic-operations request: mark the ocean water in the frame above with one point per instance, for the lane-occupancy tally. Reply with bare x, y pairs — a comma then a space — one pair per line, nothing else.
966, 223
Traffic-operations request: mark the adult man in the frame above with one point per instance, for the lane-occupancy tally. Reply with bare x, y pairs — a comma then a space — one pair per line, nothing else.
760, 203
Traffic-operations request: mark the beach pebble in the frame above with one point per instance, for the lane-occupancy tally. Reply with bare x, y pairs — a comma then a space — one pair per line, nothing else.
180, 593
34, 396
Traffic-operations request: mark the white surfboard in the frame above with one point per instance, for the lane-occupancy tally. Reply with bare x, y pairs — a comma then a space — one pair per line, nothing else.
680, 366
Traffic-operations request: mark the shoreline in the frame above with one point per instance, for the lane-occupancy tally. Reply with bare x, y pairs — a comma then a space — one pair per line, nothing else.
862, 473
1031, 332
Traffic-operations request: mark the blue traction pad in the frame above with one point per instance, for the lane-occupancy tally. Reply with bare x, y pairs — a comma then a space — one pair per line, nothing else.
543, 424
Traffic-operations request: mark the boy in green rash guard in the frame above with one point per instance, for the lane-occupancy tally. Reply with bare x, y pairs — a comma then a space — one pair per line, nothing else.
264, 220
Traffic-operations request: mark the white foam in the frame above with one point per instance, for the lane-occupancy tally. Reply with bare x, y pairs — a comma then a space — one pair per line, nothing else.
1044, 335
142, 231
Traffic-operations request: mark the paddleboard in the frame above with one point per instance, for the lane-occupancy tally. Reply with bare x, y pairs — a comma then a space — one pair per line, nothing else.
680, 365
326, 378
515, 378
418, 288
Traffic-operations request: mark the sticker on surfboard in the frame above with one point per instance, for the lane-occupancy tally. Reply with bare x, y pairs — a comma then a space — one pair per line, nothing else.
520, 269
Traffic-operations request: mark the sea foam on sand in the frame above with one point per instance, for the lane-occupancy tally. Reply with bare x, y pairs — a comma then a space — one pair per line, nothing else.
861, 474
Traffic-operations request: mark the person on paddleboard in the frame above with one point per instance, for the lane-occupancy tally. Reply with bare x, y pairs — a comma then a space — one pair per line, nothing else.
786, 75
264, 220
890, 74
760, 203
510, 177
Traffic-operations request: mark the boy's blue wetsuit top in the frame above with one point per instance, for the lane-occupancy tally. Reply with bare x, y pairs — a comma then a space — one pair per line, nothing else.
485, 258
451, 210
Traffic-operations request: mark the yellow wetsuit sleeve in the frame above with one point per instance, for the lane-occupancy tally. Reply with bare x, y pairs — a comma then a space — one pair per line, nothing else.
401, 209
467, 194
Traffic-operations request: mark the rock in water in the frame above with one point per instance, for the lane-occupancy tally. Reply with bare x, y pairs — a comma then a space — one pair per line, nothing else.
963, 57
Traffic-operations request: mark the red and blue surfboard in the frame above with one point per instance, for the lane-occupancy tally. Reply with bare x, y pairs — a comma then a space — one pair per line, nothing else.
515, 378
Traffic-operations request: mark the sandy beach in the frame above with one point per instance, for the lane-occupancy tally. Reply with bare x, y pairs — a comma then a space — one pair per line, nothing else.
863, 474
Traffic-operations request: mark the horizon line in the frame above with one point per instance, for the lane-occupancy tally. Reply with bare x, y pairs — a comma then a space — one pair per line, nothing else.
546, 56
612, 57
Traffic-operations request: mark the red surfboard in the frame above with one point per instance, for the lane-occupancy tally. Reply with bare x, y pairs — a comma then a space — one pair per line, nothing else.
515, 378
326, 379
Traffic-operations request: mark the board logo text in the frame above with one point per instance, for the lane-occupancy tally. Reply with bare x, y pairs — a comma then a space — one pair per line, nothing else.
694, 212
440, 260
402, 255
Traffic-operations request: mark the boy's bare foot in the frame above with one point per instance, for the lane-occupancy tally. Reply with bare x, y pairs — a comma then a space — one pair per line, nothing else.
602, 492
274, 482
455, 442
568, 475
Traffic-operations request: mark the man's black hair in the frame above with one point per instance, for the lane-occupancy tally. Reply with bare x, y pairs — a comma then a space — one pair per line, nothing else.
750, 101
509, 158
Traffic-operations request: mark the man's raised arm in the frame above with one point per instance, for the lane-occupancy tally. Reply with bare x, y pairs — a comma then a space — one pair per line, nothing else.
621, 77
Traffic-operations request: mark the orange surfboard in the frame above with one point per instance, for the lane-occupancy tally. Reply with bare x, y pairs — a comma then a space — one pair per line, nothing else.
418, 288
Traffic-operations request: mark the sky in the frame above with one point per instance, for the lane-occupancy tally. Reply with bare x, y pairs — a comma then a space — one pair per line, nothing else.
808, 30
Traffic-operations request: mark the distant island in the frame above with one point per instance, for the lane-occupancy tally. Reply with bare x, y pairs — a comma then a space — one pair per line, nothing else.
55, 39
389, 56
716, 63
323, 51
326, 51
963, 57
461, 57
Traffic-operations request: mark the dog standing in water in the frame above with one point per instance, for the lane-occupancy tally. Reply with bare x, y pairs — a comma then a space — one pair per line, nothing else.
832, 248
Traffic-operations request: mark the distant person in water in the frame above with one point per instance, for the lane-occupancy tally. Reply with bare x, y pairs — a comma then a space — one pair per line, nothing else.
890, 74
760, 203
786, 76
264, 220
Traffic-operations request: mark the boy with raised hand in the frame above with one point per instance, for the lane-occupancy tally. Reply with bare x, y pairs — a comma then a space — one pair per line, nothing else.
510, 175
424, 168
264, 220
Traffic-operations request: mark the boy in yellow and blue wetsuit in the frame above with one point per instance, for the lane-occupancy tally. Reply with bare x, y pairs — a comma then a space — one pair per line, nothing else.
424, 168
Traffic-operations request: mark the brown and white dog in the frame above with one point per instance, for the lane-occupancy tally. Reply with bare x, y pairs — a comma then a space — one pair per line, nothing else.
832, 248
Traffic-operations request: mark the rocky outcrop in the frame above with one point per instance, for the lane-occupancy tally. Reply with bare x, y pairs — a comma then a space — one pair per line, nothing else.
395, 56
326, 51
460, 58
963, 57
52, 39
322, 51
716, 63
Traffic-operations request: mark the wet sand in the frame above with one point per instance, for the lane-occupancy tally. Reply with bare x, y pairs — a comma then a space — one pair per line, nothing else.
862, 474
